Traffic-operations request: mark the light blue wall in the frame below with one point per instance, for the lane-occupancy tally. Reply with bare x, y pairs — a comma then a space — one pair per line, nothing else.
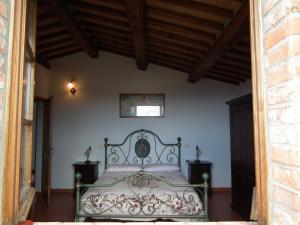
196, 112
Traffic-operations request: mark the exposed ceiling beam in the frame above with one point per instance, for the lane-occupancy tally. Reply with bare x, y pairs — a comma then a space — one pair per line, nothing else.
182, 19
40, 59
217, 78
225, 41
69, 23
192, 5
64, 53
136, 15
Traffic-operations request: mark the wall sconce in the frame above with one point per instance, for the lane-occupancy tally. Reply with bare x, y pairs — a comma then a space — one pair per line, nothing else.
72, 87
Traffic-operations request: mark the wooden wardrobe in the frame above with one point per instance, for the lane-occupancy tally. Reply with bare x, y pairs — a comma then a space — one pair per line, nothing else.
242, 154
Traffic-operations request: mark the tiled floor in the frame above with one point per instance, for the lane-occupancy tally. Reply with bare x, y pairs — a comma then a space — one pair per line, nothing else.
62, 208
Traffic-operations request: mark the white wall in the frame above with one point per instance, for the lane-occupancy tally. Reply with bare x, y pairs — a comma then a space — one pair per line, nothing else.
42, 82
196, 112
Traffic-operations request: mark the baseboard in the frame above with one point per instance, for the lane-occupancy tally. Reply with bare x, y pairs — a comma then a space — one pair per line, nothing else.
221, 189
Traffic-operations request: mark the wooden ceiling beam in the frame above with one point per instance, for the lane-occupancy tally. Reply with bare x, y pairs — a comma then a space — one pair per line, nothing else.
235, 67
100, 37
42, 9
54, 37
221, 79
65, 53
244, 57
178, 47
172, 53
69, 23
113, 37
60, 49
239, 53
111, 4
49, 29
235, 63
54, 45
225, 77
199, 45
107, 30
136, 12
170, 58
40, 59
193, 5
46, 19
103, 22
118, 51
226, 74
232, 70
174, 63
183, 19
242, 48
185, 32
78, 6
114, 45
225, 41
230, 76
175, 51
244, 44
237, 59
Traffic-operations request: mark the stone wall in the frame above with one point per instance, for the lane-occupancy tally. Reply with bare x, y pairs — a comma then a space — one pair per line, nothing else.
281, 34
4, 37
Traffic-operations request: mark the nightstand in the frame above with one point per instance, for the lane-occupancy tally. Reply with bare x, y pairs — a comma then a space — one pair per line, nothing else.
89, 173
195, 171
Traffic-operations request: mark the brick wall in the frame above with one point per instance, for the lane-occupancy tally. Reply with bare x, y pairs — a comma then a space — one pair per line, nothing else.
4, 33
281, 34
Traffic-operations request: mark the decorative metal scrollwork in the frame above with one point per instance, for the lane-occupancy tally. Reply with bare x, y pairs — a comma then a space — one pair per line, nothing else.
148, 148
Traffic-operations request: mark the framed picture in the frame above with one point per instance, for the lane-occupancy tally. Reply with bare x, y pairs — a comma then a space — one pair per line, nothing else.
142, 105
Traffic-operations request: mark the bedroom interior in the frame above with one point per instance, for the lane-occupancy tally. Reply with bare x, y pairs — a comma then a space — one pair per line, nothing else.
275, 92
197, 53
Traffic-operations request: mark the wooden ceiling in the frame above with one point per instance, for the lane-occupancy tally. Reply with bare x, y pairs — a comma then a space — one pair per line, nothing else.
203, 38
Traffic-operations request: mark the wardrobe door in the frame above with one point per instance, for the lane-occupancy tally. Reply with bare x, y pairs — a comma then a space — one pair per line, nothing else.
242, 155
248, 150
236, 156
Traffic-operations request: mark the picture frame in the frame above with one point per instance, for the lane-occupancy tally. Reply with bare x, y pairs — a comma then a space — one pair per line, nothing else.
142, 105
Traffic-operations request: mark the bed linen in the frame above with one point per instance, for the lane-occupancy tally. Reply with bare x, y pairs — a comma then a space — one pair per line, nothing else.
128, 198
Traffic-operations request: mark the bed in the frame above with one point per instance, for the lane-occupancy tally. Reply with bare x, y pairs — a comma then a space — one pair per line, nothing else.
142, 181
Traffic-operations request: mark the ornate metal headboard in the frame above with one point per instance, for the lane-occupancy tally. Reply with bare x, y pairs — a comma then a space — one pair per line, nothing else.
142, 147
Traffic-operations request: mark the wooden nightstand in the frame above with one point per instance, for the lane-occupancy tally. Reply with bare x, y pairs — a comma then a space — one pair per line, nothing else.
195, 171
89, 172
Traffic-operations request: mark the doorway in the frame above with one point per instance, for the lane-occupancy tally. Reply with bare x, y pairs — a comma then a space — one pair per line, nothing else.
42, 150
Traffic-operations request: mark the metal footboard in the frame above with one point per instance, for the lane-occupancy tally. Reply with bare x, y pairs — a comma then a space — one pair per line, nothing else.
143, 179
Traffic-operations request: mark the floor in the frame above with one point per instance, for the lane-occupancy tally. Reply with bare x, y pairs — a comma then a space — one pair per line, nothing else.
62, 208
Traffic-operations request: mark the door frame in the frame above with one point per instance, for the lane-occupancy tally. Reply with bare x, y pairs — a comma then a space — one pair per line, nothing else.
13, 109
47, 117
259, 111
12, 135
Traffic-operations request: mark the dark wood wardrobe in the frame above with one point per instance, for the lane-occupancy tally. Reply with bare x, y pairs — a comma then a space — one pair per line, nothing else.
242, 154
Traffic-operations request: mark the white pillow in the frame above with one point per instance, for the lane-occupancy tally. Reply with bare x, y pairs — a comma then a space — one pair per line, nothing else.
123, 168
161, 168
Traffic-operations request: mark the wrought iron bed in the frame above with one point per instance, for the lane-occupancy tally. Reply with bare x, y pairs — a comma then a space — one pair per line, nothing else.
144, 147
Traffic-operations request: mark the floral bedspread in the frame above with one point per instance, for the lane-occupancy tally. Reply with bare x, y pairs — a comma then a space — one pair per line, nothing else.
152, 198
